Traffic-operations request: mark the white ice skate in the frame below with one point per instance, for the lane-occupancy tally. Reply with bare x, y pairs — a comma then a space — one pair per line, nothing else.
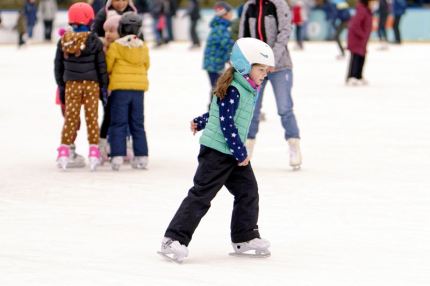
116, 162
352, 81
94, 157
173, 250
257, 247
63, 156
295, 154
104, 150
130, 154
139, 162
75, 160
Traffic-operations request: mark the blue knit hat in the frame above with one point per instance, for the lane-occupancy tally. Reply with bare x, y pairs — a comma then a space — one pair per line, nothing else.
221, 8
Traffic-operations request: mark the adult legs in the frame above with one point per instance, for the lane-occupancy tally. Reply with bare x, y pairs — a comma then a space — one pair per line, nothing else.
193, 32
396, 27
282, 82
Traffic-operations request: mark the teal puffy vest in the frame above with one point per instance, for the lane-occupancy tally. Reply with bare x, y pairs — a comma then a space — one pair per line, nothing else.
212, 136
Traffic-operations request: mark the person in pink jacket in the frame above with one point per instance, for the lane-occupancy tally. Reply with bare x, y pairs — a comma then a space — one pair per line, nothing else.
359, 29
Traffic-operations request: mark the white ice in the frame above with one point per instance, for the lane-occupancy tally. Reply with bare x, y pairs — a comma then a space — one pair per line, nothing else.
354, 215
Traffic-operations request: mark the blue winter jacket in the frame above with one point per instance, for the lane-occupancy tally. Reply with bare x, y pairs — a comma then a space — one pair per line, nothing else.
30, 10
399, 7
218, 45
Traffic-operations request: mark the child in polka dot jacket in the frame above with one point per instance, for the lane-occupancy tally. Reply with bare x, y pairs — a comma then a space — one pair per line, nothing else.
80, 73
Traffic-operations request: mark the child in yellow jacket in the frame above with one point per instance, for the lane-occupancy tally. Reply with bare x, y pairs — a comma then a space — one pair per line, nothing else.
127, 62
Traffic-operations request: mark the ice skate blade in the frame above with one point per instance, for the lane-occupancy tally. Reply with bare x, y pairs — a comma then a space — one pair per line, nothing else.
172, 259
62, 163
76, 165
251, 255
296, 168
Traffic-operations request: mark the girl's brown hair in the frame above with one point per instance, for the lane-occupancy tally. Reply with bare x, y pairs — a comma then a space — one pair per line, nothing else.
223, 83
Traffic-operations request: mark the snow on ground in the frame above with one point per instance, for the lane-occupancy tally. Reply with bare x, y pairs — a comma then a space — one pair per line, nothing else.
354, 215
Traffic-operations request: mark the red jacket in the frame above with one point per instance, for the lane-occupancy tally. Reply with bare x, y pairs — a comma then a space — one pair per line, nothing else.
359, 29
297, 15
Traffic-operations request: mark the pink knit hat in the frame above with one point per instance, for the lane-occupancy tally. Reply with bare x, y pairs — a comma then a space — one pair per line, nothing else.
130, 3
112, 21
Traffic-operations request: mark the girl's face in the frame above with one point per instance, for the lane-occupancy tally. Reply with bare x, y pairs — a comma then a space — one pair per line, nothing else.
111, 35
258, 73
119, 5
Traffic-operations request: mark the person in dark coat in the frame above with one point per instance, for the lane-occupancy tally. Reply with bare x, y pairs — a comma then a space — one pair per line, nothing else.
359, 29
102, 14
399, 8
383, 12
193, 12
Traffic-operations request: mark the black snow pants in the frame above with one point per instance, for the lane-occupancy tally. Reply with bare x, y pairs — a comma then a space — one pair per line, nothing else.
215, 170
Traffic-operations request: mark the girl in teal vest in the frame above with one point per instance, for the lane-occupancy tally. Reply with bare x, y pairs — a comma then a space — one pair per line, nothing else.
223, 159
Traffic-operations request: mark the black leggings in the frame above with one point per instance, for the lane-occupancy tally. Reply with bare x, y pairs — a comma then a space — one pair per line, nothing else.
106, 120
356, 64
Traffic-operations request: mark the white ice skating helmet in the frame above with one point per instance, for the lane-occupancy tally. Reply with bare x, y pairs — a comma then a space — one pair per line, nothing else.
249, 51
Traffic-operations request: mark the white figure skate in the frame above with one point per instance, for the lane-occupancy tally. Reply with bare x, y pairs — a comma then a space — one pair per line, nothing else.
173, 250
94, 157
139, 162
257, 247
63, 156
104, 150
75, 160
295, 154
116, 162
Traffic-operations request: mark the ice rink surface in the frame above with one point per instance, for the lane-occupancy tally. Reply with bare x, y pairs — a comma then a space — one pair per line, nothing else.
354, 215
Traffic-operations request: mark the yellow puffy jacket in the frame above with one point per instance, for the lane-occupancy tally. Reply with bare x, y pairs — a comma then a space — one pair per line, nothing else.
127, 61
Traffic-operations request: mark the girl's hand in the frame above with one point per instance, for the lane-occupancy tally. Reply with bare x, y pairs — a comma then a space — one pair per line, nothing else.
245, 162
193, 127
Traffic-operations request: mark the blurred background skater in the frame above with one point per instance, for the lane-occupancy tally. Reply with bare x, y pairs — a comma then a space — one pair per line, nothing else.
383, 11
30, 14
119, 6
193, 12
218, 44
342, 17
159, 11
359, 30
170, 14
399, 9
21, 27
47, 12
270, 21
299, 17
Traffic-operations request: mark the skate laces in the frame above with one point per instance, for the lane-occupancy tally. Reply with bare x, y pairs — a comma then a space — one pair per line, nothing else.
94, 152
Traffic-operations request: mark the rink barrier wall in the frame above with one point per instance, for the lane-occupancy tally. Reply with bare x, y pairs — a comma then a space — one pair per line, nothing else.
415, 26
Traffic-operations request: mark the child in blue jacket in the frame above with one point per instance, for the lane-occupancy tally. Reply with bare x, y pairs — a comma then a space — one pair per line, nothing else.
219, 43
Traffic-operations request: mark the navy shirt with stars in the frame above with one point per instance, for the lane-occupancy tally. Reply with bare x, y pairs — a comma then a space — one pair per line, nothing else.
227, 110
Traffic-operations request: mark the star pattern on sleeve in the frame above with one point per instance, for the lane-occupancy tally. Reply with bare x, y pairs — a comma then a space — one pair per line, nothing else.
227, 110
201, 121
